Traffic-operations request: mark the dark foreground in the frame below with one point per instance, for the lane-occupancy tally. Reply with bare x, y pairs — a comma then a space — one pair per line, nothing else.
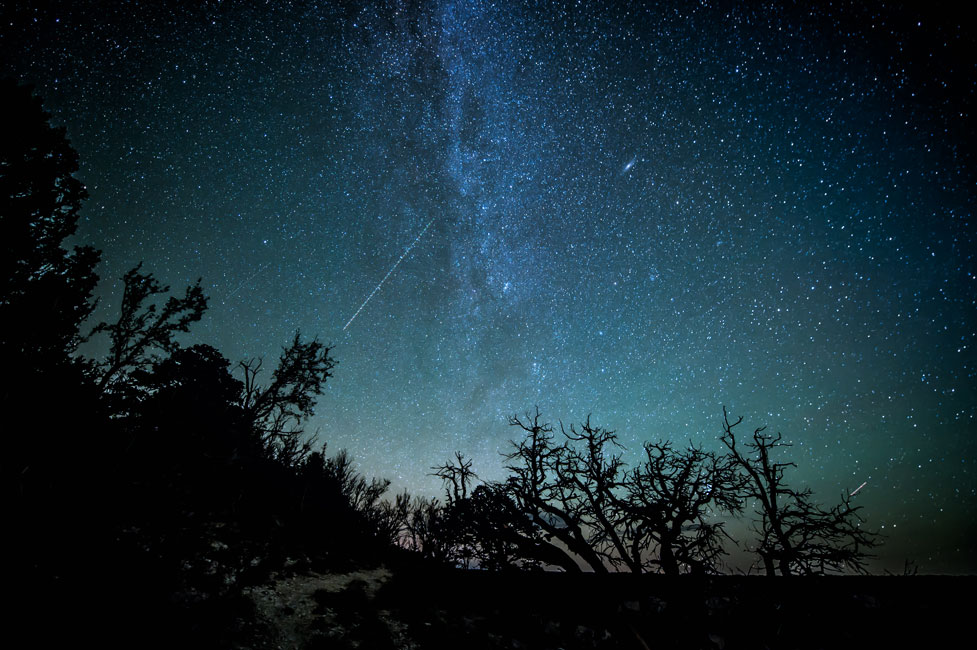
411, 606
417, 608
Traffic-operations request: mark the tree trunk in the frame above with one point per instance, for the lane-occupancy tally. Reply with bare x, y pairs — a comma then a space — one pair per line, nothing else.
666, 558
768, 564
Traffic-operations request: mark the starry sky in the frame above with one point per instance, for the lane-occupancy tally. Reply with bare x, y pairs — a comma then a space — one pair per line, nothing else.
642, 213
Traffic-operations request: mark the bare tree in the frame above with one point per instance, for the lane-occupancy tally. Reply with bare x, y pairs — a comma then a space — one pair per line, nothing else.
384, 519
480, 526
796, 535
361, 494
673, 497
580, 493
505, 538
391, 519
427, 530
591, 478
455, 517
542, 485
456, 476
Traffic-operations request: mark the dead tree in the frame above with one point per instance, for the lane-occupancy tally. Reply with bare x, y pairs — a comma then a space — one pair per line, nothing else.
389, 519
456, 516
580, 493
673, 498
506, 538
483, 526
426, 530
542, 486
456, 477
591, 477
796, 535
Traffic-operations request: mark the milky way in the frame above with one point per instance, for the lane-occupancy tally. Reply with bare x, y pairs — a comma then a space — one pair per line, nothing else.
639, 214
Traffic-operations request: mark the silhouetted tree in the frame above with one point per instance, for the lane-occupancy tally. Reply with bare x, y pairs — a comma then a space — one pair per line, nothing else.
542, 483
279, 408
50, 416
364, 495
479, 526
594, 473
504, 537
570, 502
456, 477
190, 432
152, 472
428, 532
144, 331
580, 492
673, 498
45, 290
467, 520
452, 519
391, 518
796, 535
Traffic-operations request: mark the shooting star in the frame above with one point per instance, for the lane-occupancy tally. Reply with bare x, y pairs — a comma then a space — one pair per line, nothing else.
264, 266
244, 282
392, 269
858, 488
261, 268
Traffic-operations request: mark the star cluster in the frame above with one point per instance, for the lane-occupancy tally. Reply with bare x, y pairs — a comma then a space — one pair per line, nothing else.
637, 212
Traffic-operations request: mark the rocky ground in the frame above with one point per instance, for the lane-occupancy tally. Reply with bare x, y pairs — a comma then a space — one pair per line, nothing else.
410, 607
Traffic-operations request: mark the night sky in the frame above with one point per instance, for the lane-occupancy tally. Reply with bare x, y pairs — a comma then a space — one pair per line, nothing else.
642, 214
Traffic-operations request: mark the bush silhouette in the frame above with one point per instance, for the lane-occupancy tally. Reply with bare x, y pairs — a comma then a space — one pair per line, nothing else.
166, 474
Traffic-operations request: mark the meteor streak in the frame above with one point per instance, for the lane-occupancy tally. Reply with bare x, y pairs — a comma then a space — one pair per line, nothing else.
264, 266
392, 269
246, 280
858, 488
